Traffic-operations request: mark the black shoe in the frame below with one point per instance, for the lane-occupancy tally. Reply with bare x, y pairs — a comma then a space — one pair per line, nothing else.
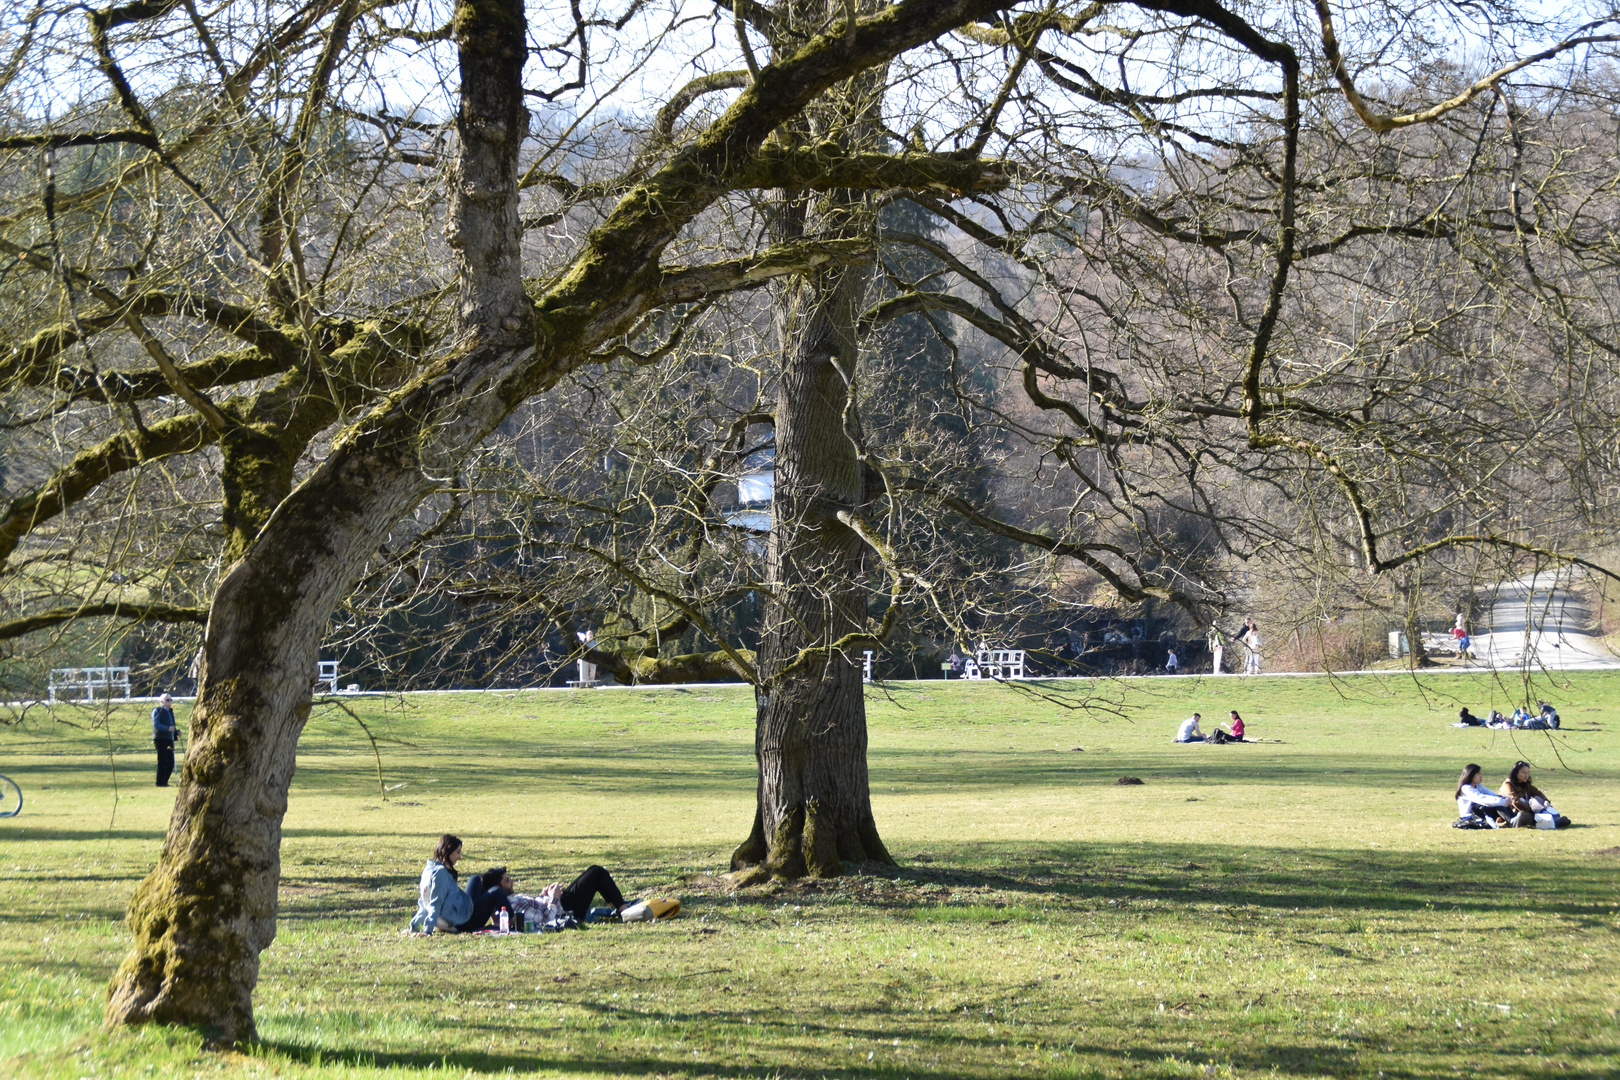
162, 785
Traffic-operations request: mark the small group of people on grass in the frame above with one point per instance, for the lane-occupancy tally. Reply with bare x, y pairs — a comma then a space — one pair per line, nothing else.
444, 906
1518, 804
1190, 732
1545, 719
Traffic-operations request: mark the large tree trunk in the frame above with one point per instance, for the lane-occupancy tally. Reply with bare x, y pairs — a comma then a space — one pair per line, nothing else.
813, 812
202, 917
813, 808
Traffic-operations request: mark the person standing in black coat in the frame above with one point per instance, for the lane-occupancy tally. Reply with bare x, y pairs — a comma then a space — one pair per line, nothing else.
164, 729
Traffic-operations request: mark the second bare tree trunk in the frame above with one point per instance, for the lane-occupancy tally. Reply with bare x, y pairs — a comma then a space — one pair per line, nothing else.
813, 811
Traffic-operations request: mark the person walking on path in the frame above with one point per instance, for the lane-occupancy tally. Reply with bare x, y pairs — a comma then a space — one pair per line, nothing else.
1251, 648
1170, 662
164, 729
1217, 649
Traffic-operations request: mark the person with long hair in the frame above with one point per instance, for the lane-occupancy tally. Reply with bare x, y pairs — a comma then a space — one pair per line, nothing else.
1527, 799
441, 902
1475, 800
1235, 735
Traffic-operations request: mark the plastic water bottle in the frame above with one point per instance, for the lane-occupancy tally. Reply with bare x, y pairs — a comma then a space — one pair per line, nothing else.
505, 921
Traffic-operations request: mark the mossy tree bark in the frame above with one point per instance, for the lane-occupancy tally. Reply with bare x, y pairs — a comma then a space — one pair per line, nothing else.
202, 917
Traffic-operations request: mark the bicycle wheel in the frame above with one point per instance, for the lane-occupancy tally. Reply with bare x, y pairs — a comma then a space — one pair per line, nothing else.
10, 797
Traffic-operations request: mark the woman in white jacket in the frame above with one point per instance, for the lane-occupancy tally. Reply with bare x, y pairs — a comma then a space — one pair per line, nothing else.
1476, 800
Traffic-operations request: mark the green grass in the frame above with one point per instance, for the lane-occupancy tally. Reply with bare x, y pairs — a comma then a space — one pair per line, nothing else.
1298, 907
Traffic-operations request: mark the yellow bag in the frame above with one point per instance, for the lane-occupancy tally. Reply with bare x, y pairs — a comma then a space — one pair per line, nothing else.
654, 907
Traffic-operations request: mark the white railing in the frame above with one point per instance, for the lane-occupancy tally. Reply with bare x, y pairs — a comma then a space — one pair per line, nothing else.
996, 664
109, 680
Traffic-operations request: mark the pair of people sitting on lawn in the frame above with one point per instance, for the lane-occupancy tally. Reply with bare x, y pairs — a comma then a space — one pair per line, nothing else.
443, 905
1517, 804
1189, 731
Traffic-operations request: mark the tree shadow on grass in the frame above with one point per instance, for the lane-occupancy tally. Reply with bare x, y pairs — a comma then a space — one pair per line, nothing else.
1298, 1057
1063, 879
1177, 875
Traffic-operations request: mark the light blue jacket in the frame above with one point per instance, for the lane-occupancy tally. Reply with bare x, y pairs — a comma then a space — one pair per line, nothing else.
439, 897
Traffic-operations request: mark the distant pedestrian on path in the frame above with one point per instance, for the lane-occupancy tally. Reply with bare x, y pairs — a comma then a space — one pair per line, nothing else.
1251, 648
1217, 649
1463, 640
1170, 661
587, 670
164, 730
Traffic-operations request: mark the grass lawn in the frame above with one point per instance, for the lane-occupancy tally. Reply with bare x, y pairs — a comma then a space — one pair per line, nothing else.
1299, 907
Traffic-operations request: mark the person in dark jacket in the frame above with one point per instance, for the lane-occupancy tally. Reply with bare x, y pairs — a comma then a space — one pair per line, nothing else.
164, 730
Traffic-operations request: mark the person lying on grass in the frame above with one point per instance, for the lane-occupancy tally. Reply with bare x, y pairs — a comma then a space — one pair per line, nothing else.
557, 900
1475, 800
1527, 799
442, 904
1235, 735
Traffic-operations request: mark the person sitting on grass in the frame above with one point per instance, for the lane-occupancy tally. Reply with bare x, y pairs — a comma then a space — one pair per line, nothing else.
1188, 732
1478, 802
1527, 799
441, 902
557, 900
1223, 736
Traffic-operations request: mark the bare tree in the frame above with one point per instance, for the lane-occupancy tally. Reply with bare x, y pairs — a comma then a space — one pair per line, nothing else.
1137, 250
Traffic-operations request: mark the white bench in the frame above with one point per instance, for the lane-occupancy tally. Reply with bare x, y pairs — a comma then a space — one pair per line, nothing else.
88, 679
996, 664
326, 671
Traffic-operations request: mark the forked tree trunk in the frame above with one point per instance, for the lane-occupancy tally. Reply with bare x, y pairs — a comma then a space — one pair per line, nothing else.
813, 809
202, 917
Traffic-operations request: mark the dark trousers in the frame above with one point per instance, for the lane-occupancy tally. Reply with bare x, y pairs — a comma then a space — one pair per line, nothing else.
576, 899
1500, 813
488, 903
165, 749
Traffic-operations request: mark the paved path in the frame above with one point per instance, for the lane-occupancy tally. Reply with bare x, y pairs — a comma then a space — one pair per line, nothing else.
1540, 621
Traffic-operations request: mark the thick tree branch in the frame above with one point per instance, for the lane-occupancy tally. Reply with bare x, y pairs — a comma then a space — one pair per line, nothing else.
117, 609
664, 125
681, 285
